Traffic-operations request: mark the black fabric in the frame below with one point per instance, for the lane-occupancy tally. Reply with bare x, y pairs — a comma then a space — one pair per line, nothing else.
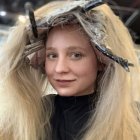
71, 115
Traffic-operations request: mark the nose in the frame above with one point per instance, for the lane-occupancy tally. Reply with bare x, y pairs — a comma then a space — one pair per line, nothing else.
62, 65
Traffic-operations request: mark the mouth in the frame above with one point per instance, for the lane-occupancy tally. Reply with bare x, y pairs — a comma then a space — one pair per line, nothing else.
64, 82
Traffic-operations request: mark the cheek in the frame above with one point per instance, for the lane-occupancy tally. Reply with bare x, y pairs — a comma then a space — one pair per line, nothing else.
89, 67
89, 74
90, 71
48, 68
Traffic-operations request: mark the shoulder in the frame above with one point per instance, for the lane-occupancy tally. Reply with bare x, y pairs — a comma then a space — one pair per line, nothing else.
48, 100
49, 97
137, 104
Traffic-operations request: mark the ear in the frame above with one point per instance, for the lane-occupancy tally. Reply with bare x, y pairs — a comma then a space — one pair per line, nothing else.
38, 58
37, 61
101, 66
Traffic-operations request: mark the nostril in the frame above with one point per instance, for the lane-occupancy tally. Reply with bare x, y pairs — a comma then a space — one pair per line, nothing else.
61, 67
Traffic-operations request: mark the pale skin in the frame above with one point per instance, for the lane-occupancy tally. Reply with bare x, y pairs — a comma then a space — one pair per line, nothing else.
71, 64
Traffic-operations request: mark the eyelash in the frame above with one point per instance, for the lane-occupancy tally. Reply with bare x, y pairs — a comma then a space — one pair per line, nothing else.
76, 55
72, 55
51, 56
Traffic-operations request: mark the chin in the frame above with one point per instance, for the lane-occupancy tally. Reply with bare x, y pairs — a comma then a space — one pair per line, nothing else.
66, 93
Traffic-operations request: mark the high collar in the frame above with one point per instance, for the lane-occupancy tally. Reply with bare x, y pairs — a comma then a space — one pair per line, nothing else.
65, 102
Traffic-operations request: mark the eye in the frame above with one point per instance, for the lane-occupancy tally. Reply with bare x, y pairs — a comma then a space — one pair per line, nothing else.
76, 55
51, 56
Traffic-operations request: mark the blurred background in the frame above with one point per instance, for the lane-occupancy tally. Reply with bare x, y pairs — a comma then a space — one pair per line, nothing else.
12, 10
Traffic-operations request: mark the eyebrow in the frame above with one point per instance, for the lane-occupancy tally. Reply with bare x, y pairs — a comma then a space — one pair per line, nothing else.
69, 48
50, 48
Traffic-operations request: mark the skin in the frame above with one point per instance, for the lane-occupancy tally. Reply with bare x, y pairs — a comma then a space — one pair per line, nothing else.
71, 64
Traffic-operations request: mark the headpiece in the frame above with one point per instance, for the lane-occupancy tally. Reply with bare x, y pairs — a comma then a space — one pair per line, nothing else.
38, 28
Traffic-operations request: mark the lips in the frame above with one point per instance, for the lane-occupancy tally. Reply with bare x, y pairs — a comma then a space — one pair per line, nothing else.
63, 82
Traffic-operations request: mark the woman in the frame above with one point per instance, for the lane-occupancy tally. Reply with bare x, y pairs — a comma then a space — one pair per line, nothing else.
84, 51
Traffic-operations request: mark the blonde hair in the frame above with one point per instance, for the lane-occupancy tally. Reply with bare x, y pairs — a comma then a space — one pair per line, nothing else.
23, 115
21, 108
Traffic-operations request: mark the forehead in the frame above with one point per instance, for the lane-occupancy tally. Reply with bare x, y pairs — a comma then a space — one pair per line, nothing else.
69, 31
68, 35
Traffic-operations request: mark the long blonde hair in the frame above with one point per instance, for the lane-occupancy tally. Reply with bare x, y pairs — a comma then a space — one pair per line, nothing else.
22, 112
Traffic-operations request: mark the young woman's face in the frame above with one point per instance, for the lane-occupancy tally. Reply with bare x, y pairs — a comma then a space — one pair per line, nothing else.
71, 65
